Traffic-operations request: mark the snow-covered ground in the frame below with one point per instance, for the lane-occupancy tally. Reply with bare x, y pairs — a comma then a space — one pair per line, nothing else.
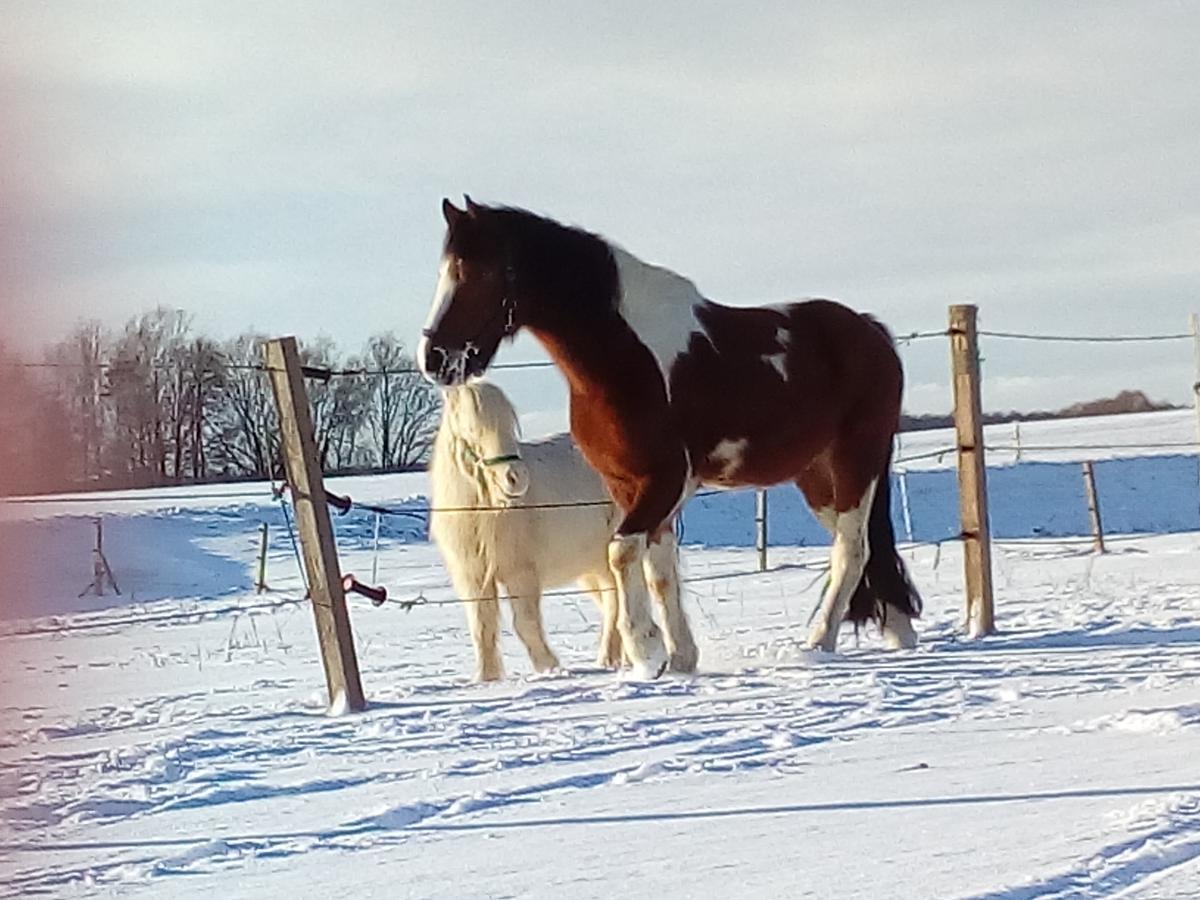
176, 742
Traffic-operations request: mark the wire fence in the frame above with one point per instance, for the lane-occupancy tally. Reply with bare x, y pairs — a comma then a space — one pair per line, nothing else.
344, 503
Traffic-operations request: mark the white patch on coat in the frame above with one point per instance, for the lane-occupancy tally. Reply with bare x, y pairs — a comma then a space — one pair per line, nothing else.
729, 454
660, 306
779, 360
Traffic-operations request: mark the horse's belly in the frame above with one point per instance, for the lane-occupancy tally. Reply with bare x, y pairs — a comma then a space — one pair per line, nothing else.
754, 461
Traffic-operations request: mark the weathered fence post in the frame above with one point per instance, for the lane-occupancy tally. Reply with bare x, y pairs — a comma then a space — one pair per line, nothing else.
1093, 503
760, 528
260, 581
972, 471
307, 486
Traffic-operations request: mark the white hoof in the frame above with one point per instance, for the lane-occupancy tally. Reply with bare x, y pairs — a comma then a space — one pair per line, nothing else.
648, 657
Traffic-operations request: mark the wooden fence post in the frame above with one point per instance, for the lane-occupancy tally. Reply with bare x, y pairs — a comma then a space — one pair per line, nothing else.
307, 486
760, 528
972, 471
1093, 503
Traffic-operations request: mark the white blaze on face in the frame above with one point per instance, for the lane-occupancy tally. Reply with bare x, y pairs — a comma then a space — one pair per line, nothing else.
446, 285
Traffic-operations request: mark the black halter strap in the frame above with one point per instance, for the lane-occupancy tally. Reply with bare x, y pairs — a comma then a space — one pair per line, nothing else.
507, 308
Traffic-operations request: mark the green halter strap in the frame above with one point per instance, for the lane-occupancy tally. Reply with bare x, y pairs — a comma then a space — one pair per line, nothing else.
496, 460
491, 460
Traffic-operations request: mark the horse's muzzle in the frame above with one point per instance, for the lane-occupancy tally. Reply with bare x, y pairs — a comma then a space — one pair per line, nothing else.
445, 366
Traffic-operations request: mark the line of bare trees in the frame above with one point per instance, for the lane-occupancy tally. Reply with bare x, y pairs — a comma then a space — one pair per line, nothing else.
157, 403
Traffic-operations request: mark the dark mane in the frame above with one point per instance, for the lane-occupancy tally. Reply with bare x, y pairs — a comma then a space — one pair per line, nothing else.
566, 267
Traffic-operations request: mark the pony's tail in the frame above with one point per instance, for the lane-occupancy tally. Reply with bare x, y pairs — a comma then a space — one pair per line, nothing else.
885, 580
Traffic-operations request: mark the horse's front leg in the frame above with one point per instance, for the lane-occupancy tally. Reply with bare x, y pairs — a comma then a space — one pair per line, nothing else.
662, 572
648, 503
640, 636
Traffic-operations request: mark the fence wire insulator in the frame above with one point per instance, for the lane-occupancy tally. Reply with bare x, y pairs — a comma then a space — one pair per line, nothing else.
317, 373
377, 594
339, 502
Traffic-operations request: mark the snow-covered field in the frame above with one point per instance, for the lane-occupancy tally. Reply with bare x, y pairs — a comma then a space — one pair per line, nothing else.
175, 742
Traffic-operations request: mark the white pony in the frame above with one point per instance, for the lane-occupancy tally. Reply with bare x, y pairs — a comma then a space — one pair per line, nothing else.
529, 542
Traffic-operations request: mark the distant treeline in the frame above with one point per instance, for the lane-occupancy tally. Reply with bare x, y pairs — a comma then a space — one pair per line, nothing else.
156, 403
1124, 402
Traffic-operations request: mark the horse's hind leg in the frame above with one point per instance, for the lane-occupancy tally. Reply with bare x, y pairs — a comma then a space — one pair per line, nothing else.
662, 573
525, 594
483, 619
847, 560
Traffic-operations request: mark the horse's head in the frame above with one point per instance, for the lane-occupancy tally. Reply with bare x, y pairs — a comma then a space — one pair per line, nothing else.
485, 423
474, 305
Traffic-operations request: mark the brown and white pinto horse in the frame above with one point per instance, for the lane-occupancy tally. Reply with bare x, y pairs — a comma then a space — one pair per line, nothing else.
670, 391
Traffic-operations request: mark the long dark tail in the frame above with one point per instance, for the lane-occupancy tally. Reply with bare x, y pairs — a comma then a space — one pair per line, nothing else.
885, 580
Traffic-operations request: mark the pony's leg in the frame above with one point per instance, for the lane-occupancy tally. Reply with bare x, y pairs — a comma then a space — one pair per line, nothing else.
847, 560
604, 590
640, 635
483, 619
662, 572
525, 594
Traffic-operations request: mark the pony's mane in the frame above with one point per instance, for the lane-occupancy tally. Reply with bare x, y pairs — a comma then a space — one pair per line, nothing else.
483, 407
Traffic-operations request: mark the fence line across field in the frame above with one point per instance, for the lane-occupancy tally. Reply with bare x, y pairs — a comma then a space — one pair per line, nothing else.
316, 549
323, 372
195, 616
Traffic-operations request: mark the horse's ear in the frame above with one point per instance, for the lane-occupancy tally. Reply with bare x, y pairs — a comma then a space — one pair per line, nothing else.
451, 213
472, 207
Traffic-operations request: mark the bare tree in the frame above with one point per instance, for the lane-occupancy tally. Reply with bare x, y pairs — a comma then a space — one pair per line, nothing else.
156, 403
144, 392
79, 387
203, 379
245, 434
404, 408
36, 443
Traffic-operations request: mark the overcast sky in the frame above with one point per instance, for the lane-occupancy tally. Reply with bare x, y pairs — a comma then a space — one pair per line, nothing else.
279, 166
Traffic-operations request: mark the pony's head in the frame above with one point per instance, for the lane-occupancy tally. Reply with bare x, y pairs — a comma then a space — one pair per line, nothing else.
475, 303
479, 415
